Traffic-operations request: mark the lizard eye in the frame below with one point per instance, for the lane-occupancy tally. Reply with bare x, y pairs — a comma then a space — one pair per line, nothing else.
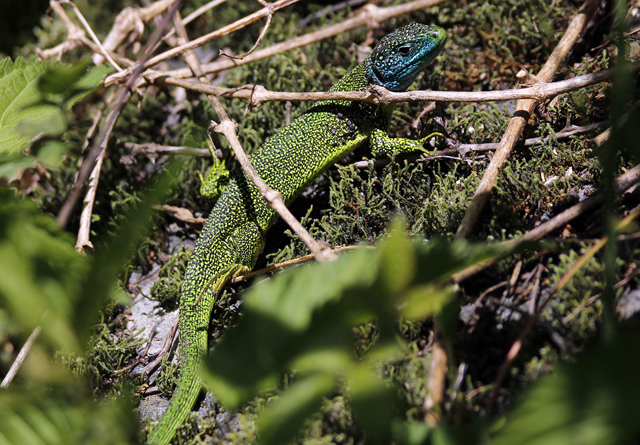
404, 50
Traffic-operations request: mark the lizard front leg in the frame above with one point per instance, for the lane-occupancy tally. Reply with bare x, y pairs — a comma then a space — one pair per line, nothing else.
384, 145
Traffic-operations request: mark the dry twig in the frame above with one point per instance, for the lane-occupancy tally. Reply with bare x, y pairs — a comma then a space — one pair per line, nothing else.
82, 241
171, 337
622, 184
173, 52
121, 98
378, 95
22, 355
292, 262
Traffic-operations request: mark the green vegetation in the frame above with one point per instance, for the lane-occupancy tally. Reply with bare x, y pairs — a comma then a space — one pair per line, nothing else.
341, 352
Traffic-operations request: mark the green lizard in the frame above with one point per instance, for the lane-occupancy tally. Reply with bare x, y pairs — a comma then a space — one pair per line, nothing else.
233, 235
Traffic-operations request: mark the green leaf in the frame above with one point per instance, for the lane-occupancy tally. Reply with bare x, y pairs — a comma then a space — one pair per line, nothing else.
303, 319
410, 433
45, 282
19, 93
25, 112
99, 282
60, 79
52, 152
374, 404
11, 163
40, 272
398, 258
594, 401
62, 417
424, 300
283, 418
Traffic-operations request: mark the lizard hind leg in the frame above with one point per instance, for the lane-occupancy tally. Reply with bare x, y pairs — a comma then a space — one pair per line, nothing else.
246, 243
217, 282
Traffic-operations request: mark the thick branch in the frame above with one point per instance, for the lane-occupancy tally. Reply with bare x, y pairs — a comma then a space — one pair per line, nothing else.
379, 95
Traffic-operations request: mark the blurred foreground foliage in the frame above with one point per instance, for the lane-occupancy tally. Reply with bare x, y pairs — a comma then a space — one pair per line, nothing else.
328, 353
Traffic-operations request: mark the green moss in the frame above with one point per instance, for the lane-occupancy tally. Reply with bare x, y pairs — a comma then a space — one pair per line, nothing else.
166, 289
168, 377
110, 349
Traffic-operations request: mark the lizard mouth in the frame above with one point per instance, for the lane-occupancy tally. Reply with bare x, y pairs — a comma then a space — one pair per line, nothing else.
378, 74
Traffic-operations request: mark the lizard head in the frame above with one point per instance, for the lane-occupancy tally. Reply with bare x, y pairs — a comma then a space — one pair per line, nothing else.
399, 57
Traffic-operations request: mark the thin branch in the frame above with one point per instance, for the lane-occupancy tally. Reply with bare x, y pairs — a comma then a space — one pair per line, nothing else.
366, 16
435, 384
330, 9
74, 35
131, 20
292, 262
460, 152
524, 109
378, 95
151, 148
260, 37
22, 355
173, 52
95, 39
171, 337
594, 298
195, 14
82, 241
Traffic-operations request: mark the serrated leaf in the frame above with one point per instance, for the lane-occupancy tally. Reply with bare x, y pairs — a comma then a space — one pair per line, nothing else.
19, 94
40, 271
304, 318
24, 112
45, 282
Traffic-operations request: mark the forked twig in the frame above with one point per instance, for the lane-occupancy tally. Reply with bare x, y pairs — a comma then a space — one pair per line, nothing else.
367, 16
260, 37
173, 52
95, 39
379, 95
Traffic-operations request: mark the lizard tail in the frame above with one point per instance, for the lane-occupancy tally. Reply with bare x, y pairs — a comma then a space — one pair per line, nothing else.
183, 399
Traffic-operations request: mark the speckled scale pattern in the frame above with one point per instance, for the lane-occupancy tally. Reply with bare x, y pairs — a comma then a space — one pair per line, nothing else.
234, 232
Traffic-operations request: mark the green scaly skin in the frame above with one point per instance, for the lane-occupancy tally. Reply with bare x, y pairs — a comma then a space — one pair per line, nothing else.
233, 236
